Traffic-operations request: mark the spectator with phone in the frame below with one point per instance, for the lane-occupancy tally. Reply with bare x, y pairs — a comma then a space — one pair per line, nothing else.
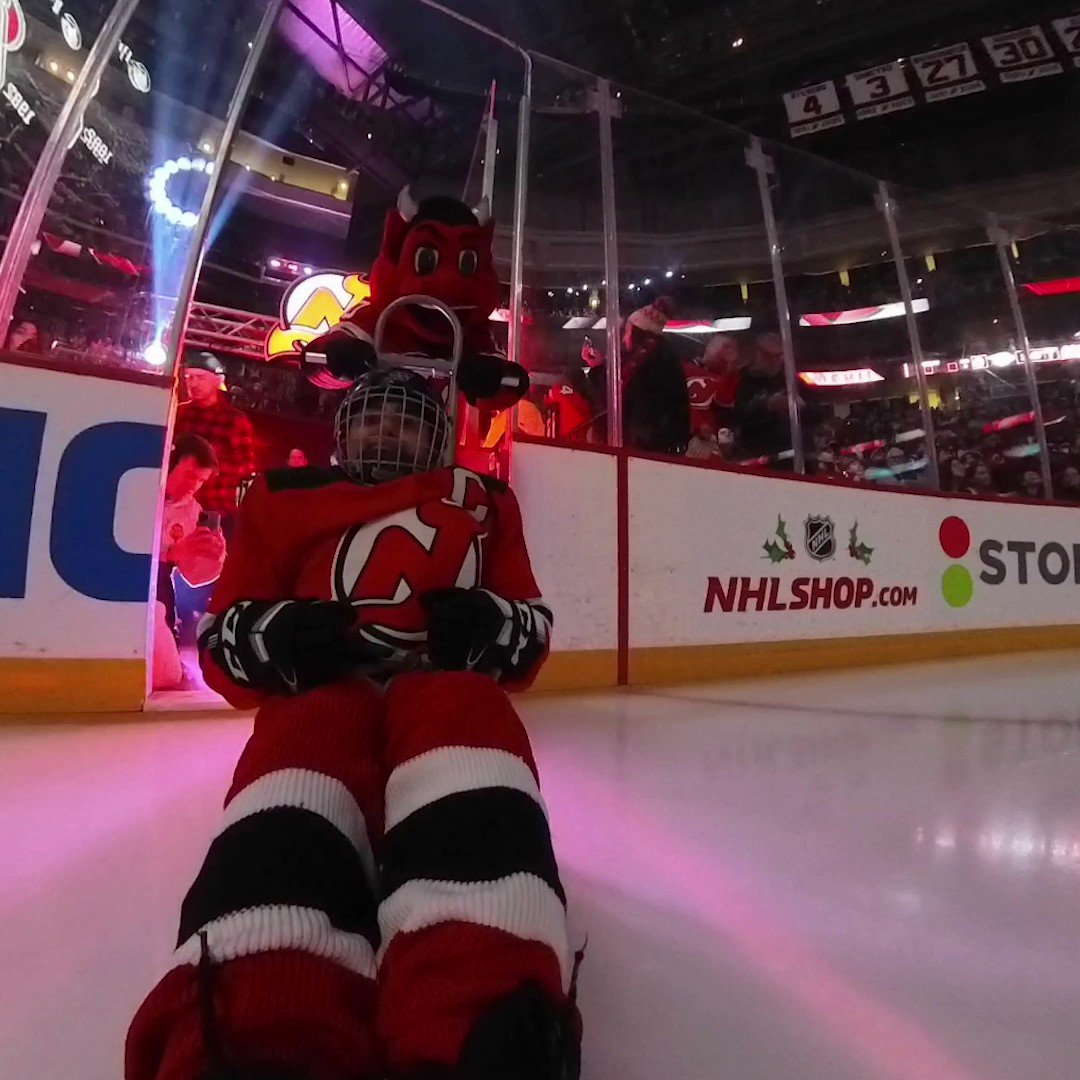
25, 337
191, 543
761, 400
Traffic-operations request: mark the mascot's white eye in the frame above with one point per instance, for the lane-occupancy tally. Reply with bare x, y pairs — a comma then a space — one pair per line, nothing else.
467, 262
426, 261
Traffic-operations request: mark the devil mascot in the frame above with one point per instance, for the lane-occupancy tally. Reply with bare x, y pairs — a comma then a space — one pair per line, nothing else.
438, 248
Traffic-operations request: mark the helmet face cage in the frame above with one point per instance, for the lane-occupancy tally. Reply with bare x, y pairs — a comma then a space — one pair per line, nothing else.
381, 453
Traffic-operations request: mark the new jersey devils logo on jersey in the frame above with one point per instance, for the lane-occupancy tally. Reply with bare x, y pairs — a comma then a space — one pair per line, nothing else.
700, 391
383, 567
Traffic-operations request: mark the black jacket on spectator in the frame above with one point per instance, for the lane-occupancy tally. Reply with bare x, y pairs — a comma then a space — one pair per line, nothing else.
656, 405
764, 430
596, 392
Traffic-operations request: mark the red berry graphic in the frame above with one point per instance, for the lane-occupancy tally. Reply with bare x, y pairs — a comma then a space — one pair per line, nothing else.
955, 537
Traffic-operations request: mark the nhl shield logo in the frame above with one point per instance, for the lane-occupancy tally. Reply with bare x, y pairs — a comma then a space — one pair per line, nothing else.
820, 538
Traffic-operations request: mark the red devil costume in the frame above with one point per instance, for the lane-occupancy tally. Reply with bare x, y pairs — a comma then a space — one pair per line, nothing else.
381, 901
438, 248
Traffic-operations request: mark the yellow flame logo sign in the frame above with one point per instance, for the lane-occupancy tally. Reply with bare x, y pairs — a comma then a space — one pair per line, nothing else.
311, 306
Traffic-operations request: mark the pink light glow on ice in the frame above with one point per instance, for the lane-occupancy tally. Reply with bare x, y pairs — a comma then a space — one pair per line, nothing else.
692, 882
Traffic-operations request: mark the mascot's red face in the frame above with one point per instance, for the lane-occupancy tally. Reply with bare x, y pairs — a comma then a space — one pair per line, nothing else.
440, 248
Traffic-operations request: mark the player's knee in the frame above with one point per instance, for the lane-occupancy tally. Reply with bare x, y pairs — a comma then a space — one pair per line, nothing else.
453, 704
449, 691
343, 699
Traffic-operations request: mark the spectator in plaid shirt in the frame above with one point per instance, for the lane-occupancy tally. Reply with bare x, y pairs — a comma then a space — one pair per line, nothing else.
209, 415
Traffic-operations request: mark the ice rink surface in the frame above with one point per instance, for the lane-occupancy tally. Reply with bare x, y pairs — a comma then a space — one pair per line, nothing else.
836, 876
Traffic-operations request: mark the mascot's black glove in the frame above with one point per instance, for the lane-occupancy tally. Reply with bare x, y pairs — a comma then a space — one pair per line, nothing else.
337, 359
493, 380
286, 646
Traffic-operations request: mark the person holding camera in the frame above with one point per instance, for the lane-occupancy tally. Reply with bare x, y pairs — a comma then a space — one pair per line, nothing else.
191, 542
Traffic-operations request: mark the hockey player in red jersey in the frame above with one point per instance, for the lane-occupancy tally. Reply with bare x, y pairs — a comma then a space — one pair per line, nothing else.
382, 899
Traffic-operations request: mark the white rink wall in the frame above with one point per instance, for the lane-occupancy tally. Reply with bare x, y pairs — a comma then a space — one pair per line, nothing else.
699, 539
569, 510
718, 562
80, 477
722, 571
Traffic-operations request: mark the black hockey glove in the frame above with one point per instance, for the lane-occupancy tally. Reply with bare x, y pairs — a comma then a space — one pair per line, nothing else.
492, 380
475, 630
337, 359
288, 646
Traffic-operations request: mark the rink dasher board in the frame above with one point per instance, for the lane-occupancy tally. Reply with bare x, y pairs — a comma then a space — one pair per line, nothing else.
1022, 560
729, 573
82, 470
703, 586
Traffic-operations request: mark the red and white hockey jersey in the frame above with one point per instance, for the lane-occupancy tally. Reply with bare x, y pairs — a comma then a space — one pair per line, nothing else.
709, 392
311, 534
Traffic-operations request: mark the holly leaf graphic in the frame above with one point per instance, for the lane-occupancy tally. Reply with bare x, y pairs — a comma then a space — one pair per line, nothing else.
856, 548
774, 552
781, 530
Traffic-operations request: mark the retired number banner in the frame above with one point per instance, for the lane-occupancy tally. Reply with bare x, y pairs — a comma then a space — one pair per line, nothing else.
813, 108
1020, 55
1069, 32
948, 73
879, 90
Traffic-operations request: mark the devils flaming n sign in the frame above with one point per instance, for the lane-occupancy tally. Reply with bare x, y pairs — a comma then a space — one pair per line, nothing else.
310, 307
12, 33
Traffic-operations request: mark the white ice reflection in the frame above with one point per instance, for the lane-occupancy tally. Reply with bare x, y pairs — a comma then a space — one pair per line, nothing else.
1018, 843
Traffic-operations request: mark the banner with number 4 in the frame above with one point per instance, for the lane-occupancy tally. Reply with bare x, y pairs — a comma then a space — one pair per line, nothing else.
813, 108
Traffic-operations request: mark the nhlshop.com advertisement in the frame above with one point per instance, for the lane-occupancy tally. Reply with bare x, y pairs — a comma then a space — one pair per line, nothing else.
723, 557
808, 593
804, 594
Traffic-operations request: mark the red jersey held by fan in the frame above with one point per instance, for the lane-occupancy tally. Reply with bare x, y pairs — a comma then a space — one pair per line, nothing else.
575, 411
709, 392
311, 534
